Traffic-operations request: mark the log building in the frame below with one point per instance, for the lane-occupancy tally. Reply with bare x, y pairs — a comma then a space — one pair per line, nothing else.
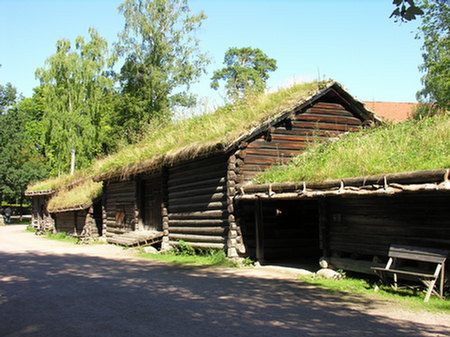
351, 222
191, 198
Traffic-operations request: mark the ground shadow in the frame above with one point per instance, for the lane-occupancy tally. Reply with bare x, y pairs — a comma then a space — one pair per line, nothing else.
78, 295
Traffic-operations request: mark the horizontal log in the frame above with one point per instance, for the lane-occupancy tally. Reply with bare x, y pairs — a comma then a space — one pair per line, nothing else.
198, 184
115, 230
198, 199
196, 238
277, 144
322, 126
202, 245
197, 191
198, 172
206, 223
333, 112
216, 205
200, 230
328, 119
198, 215
193, 164
189, 178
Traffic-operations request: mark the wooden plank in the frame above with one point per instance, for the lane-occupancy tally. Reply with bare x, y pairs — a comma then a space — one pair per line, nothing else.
418, 253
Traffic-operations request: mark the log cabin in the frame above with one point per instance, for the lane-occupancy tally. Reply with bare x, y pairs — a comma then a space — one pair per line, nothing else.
349, 222
74, 209
40, 216
188, 192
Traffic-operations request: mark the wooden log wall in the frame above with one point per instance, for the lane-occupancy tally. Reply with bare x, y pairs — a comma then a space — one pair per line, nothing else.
120, 207
291, 136
197, 203
290, 228
70, 222
361, 228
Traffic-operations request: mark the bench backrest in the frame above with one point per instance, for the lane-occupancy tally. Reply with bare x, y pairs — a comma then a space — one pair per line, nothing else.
418, 254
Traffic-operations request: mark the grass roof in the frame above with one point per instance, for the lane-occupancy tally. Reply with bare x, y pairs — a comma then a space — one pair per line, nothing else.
203, 134
80, 196
392, 148
55, 183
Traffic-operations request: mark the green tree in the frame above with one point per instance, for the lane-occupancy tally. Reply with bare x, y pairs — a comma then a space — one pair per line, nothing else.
20, 162
406, 10
74, 84
162, 59
245, 69
435, 32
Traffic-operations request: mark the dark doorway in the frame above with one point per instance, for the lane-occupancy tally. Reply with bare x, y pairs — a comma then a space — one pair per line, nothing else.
151, 200
288, 231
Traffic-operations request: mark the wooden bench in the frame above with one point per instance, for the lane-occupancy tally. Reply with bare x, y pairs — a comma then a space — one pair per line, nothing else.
396, 266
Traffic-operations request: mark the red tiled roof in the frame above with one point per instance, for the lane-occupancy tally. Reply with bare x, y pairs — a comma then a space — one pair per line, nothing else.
391, 111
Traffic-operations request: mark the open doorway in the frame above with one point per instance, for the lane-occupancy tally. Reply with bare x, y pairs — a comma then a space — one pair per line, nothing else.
150, 203
282, 232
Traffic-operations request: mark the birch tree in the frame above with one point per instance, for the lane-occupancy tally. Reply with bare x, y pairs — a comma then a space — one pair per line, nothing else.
74, 84
161, 57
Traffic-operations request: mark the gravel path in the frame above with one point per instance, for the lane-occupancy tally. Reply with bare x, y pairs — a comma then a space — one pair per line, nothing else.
50, 288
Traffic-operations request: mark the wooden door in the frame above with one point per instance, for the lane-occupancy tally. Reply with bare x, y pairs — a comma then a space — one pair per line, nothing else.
151, 203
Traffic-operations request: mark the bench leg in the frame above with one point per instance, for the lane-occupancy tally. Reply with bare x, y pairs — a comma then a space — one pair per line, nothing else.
430, 284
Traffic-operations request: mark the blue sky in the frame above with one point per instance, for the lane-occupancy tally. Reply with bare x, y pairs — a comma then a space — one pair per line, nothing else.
351, 41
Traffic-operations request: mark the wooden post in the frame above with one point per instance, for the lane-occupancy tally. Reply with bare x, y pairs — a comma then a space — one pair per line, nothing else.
164, 208
138, 225
259, 230
324, 227
104, 215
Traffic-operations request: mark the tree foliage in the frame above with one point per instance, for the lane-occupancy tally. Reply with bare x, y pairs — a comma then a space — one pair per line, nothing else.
406, 10
20, 162
245, 69
74, 84
435, 31
162, 59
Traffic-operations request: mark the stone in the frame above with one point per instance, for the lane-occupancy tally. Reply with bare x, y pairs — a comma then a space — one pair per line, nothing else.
151, 250
329, 274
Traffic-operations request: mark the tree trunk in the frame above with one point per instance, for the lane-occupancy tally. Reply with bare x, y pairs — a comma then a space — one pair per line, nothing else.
72, 162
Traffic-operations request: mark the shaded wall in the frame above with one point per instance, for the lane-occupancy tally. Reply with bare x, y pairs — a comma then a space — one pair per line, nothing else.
197, 202
290, 229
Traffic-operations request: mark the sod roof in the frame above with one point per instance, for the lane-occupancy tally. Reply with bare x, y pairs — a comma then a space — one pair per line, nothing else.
77, 197
220, 131
203, 135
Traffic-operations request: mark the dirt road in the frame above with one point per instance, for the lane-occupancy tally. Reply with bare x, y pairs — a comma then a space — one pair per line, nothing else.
50, 288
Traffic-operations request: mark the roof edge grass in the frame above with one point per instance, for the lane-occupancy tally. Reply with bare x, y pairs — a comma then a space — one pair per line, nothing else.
218, 132
392, 148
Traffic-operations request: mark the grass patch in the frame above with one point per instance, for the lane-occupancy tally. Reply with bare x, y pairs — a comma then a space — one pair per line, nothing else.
392, 148
184, 254
30, 229
64, 237
404, 297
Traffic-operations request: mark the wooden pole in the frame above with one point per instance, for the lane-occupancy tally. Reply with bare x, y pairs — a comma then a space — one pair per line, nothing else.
259, 231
